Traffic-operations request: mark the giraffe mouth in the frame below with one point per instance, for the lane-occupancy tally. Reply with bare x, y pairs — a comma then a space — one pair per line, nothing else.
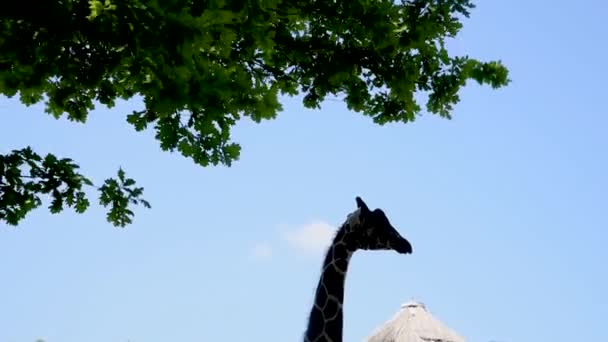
403, 246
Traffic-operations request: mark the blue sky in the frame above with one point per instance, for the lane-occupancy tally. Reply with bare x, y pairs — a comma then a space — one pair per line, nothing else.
504, 206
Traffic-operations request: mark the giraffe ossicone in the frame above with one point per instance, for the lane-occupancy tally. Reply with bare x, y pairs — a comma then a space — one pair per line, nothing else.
363, 229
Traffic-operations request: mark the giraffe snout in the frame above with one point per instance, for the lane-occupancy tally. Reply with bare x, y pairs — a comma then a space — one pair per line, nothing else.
403, 246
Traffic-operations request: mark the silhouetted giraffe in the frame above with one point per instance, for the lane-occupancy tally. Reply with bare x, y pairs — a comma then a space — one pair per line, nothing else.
364, 229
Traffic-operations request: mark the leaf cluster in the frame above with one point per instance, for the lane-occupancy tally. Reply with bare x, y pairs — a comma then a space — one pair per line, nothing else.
201, 66
26, 176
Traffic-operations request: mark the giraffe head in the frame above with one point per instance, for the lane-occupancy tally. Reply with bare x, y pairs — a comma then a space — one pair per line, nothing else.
371, 230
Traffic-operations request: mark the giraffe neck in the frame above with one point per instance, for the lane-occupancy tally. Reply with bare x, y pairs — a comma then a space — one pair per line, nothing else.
325, 322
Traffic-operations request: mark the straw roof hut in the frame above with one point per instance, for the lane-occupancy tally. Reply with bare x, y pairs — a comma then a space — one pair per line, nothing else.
414, 323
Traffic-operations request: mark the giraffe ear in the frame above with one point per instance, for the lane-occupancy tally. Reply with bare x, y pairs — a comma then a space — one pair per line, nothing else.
361, 205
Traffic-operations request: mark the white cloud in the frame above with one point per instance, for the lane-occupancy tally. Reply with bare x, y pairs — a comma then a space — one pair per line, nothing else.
261, 251
310, 239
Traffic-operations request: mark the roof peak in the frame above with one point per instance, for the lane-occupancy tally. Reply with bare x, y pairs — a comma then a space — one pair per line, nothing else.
414, 323
412, 303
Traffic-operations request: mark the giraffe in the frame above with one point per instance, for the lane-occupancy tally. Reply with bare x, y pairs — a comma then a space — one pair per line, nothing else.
363, 230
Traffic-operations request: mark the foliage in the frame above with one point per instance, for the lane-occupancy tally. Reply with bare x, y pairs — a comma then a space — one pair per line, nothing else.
25, 175
201, 66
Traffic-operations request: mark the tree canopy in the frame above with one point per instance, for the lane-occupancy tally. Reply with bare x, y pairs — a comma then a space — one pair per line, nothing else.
201, 66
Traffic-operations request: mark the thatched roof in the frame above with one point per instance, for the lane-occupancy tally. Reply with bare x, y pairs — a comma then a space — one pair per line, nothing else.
414, 323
